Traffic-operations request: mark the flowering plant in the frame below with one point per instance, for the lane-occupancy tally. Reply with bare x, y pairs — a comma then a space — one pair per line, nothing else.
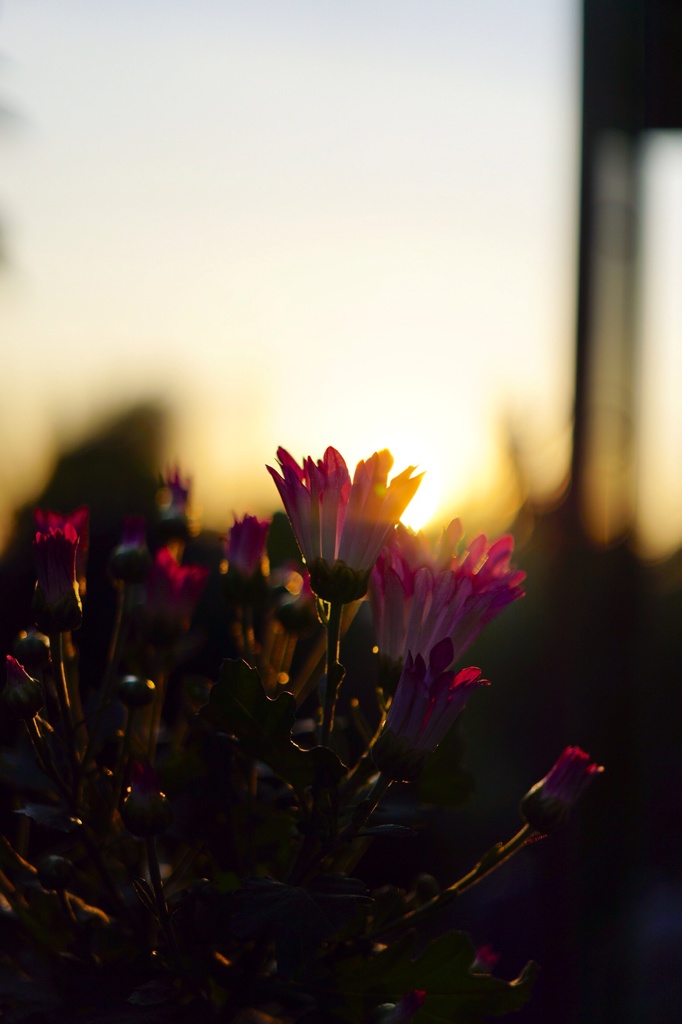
192, 826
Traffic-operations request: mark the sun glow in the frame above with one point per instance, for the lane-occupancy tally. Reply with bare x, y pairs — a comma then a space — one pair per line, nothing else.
424, 505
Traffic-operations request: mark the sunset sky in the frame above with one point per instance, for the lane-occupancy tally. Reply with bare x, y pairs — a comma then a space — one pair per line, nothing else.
300, 223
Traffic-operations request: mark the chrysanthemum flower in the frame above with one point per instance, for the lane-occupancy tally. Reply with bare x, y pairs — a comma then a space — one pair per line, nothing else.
427, 701
56, 602
548, 803
79, 519
341, 526
420, 595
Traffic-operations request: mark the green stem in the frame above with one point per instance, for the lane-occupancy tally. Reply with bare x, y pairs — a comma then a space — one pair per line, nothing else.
347, 858
488, 863
335, 670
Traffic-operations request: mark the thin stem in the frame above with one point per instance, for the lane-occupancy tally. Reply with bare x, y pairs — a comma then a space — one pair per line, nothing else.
122, 760
347, 858
488, 863
248, 649
44, 759
70, 662
156, 709
335, 670
57, 653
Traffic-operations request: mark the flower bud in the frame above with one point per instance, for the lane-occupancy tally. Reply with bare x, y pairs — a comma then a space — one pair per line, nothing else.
136, 691
145, 811
22, 696
56, 601
548, 803
32, 649
174, 521
130, 561
79, 521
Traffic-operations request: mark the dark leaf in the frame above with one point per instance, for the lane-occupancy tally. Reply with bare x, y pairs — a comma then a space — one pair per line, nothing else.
27, 997
238, 705
152, 993
145, 894
50, 816
444, 781
299, 918
396, 831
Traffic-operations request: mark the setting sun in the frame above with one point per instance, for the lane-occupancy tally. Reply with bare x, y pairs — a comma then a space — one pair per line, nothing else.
424, 505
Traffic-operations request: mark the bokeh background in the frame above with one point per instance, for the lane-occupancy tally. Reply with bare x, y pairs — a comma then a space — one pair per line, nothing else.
231, 226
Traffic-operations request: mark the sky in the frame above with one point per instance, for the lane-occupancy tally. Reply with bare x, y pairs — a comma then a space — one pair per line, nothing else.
299, 223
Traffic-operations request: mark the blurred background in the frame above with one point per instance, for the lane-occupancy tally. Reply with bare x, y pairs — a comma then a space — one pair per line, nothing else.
451, 229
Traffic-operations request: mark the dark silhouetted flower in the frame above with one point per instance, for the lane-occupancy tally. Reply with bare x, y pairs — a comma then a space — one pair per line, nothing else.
145, 811
80, 520
56, 602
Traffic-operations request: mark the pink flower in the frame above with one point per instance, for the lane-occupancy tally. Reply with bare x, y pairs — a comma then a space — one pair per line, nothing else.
56, 603
173, 592
419, 596
547, 804
427, 701
79, 520
245, 545
338, 524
